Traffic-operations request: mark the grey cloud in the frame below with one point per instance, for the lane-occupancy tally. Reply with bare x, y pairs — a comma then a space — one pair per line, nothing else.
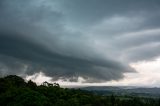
138, 38
53, 64
90, 12
144, 52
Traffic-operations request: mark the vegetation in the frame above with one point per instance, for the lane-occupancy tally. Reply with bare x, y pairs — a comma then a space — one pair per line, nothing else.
14, 91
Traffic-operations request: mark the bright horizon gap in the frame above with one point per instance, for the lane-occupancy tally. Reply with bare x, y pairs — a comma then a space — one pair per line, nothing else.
147, 75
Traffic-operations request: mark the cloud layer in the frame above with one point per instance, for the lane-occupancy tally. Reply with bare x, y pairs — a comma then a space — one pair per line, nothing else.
95, 40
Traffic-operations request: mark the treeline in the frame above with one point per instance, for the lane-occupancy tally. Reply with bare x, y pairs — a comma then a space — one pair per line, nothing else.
14, 91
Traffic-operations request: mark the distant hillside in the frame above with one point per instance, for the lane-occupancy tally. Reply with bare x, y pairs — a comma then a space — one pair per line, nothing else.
125, 90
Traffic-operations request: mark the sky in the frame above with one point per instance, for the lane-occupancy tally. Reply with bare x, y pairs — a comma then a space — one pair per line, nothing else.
81, 42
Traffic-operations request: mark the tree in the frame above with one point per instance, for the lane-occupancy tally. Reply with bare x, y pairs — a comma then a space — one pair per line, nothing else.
31, 84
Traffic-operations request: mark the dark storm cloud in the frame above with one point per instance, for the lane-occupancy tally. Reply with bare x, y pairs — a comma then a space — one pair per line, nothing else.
53, 64
92, 39
92, 11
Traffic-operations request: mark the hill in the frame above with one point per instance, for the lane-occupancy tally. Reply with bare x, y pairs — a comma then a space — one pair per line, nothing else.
125, 90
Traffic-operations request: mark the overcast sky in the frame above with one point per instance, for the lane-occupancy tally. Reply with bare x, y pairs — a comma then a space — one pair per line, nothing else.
88, 41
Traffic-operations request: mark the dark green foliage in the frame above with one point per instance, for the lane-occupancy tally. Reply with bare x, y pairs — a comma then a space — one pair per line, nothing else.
14, 91
31, 85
